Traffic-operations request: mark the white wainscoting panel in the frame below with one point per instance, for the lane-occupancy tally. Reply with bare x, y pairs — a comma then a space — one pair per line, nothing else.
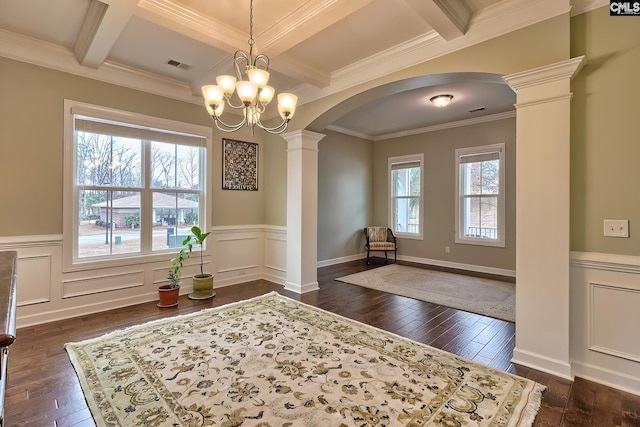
33, 285
46, 292
612, 309
604, 317
275, 255
238, 253
101, 283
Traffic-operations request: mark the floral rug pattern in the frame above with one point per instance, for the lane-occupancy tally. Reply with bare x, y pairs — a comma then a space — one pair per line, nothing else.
272, 361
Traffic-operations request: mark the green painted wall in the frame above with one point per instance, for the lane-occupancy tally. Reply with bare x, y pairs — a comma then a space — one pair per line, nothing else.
605, 148
345, 194
439, 191
31, 146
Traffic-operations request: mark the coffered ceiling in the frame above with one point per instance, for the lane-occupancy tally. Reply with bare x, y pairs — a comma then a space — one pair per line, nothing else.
316, 47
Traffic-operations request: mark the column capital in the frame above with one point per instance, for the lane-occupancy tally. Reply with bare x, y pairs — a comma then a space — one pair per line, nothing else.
546, 74
302, 139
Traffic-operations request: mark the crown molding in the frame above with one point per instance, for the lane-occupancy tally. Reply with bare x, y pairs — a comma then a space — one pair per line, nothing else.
418, 131
579, 7
350, 132
494, 21
48, 55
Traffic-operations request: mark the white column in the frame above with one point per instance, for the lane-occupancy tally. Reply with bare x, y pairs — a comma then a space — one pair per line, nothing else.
302, 210
542, 216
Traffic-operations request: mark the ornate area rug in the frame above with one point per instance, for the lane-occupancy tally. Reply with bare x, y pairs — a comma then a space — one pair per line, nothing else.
272, 361
492, 298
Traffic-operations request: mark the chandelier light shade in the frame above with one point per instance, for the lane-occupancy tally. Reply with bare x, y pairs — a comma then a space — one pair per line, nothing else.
441, 100
252, 93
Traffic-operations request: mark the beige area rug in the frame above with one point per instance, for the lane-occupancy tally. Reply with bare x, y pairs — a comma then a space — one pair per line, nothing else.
272, 361
488, 297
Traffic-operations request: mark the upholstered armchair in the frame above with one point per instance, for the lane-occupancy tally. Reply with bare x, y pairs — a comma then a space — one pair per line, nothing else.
381, 239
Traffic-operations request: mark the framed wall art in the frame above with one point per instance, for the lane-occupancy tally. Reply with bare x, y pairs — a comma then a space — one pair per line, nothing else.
239, 165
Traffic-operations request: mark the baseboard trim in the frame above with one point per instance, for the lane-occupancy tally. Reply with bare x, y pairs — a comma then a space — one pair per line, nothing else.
459, 266
82, 310
608, 377
542, 363
301, 289
348, 258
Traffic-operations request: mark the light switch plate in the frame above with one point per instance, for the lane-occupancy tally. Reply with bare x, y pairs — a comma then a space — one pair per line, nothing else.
616, 227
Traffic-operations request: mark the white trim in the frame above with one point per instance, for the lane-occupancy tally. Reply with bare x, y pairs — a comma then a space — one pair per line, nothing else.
340, 260
592, 320
607, 262
43, 54
542, 363
583, 6
450, 125
46, 316
546, 74
494, 21
459, 217
301, 289
14, 242
70, 217
460, 266
609, 377
410, 158
434, 128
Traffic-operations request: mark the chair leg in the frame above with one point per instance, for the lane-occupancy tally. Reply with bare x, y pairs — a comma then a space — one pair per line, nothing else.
368, 262
395, 256
385, 258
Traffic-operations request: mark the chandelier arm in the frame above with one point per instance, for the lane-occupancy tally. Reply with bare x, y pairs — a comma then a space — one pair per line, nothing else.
261, 58
237, 107
246, 63
238, 57
225, 127
276, 129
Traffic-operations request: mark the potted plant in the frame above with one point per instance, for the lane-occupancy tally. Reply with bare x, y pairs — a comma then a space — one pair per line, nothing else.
203, 282
169, 293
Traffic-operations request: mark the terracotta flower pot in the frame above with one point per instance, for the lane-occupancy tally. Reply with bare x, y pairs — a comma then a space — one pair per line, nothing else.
168, 296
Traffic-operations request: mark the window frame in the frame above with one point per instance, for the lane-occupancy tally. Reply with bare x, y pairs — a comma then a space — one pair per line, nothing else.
71, 262
459, 213
398, 160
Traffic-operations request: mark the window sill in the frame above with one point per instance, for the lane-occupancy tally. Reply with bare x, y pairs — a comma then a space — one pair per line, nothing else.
480, 242
408, 236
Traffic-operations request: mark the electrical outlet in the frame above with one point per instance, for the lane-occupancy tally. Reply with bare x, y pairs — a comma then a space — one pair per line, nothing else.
447, 249
616, 227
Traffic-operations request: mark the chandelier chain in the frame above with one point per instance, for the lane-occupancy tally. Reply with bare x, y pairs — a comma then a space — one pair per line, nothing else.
251, 40
253, 93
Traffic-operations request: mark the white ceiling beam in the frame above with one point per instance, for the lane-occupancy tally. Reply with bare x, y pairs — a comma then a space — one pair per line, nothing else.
101, 28
449, 18
174, 16
274, 41
304, 23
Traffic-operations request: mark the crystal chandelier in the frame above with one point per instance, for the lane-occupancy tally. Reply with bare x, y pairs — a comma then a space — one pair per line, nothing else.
253, 94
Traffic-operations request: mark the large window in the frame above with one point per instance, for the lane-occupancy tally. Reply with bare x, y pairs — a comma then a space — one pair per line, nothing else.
405, 204
135, 183
480, 195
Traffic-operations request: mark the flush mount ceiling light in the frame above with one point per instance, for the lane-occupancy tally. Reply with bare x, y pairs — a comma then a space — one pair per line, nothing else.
441, 100
253, 94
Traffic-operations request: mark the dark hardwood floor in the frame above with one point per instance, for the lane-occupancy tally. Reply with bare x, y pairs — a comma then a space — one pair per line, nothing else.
43, 390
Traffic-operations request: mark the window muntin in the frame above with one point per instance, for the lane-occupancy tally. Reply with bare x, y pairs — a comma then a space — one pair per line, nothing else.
117, 168
405, 204
480, 195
